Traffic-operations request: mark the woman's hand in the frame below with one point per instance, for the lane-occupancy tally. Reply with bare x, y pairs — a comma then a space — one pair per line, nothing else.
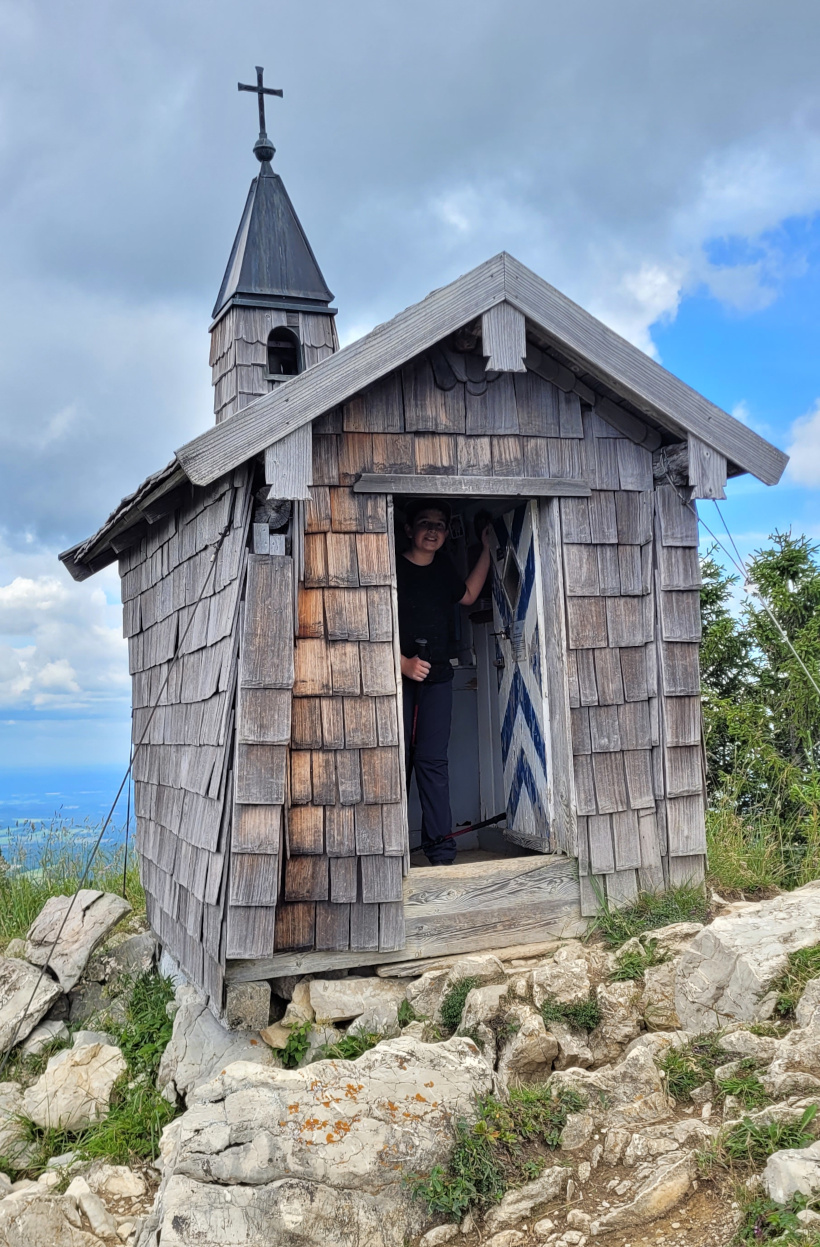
485, 536
414, 668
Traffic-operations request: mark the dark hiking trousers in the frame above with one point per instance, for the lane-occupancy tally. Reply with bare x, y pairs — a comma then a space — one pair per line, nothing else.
429, 761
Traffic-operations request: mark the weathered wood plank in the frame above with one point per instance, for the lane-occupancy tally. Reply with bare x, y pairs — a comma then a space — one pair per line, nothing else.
680, 615
260, 774
679, 567
504, 339
610, 786
601, 850
638, 766
678, 519
256, 829
254, 879
587, 623
289, 465
682, 720
306, 879
360, 722
344, 880
707, 470
311, 668
686, 826
340, 836
563, 805
333, 730
480, 907
381, 878
332, 927
264, 716
295, 926
680, 669
457, 486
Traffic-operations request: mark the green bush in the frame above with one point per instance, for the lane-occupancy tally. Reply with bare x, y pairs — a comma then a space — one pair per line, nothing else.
352, 1045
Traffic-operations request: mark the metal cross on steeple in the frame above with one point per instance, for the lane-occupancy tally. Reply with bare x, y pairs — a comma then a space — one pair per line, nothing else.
263, 148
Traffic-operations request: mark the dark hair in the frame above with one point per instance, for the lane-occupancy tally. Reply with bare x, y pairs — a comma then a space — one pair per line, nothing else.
415, 507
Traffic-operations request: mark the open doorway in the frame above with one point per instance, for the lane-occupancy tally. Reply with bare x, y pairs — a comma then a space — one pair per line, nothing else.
497, 752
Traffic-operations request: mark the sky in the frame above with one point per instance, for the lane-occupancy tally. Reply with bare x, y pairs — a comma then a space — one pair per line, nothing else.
660, 164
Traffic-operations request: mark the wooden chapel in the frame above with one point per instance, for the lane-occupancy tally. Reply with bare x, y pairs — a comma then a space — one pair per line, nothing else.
275, 831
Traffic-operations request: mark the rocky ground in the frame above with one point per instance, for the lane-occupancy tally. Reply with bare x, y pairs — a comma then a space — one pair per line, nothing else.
651, 1067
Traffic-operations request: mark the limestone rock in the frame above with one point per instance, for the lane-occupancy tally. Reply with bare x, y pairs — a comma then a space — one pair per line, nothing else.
517, 1204
631, 1090
92, 916
578, 1131
658, 998
75, 1088
315, 1157
19, 1013
390, 1113
16, 948
727, 971
12, 1146
99, 1218
574, 1051
807, 1013
759, 1048
80, 1039
565, 979
379, 1019
791, 1171
288, 1212
531, 1048
662, 1190
440, 1234
247, 1006
201, 1046
115, 1182
506, 1238
42, 1221
43, 1035
299, 1008
131, 957
620, 1019
482, 1005
342, 1000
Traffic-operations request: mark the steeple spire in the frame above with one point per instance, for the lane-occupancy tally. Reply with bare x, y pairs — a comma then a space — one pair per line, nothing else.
272, 264
263, 148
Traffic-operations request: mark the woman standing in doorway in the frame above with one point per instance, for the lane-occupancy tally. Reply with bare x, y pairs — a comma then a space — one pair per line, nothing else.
428, 588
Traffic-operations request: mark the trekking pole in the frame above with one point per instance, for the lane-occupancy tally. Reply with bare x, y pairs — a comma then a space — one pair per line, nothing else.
424, 655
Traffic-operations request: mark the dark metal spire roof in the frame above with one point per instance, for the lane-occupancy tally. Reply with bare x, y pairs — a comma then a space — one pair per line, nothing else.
272, 263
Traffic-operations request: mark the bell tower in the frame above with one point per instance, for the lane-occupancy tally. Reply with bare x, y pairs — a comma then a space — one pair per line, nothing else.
272, 317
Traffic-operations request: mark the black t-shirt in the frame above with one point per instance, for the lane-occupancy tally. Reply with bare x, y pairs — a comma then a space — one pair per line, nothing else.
427, 595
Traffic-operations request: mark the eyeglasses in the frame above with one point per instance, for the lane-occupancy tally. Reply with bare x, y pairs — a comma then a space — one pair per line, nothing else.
432, 526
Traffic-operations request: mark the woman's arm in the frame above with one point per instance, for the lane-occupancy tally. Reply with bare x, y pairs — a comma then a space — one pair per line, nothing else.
476, 578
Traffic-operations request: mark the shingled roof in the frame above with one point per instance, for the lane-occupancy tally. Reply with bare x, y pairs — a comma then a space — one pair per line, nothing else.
621, 380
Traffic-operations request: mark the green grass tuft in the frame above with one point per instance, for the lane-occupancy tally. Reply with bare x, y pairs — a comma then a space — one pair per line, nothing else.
452, 1006
749, 1143
649, 912
693, 1064
489, 1155
351, 1046
634, 963
745, 1085
585, 1015
803, 965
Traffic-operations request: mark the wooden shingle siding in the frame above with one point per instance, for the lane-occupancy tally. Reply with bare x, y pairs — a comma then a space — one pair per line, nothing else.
184, 652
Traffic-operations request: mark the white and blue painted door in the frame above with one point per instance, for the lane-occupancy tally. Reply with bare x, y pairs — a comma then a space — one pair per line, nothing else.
518, 606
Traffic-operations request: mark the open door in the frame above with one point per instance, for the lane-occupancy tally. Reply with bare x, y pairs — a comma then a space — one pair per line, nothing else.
518, 605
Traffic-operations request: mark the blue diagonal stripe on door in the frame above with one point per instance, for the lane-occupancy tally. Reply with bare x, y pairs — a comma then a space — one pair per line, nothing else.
519, 700
523, 778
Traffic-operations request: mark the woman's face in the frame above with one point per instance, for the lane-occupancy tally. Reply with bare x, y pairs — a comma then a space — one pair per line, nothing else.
428, 532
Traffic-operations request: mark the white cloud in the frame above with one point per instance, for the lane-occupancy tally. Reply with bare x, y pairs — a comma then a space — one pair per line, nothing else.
804, 449
61, 645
